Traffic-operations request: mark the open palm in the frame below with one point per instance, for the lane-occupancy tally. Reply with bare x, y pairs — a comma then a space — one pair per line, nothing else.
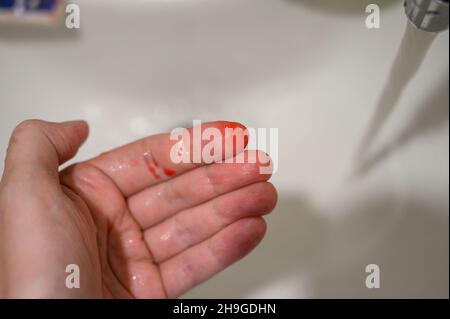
135, 223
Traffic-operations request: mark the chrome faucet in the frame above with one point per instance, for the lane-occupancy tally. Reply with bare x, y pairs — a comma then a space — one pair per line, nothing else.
428, 15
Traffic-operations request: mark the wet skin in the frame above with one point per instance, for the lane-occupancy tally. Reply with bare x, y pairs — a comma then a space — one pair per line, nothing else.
137, 225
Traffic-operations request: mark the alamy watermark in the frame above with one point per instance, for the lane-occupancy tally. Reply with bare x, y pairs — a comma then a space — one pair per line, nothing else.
73, 16
73, 279
373, 279
211, 144
373, 17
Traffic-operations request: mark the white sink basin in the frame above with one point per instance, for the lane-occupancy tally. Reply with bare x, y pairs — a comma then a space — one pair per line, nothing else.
311, 69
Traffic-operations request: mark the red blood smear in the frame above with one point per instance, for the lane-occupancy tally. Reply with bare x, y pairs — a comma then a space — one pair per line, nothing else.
234, 125
152, 171
169, 172
151, 165
246, 138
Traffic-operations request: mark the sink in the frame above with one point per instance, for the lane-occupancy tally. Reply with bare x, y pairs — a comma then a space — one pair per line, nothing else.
309, 68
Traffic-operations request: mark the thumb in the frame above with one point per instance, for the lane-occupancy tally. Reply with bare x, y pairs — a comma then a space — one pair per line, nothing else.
42, 145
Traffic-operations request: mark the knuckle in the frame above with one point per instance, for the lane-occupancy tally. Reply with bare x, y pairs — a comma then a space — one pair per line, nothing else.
213, 180
20, 132
27, 124
184, 231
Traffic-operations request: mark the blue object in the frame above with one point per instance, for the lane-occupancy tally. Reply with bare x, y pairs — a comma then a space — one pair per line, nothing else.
28, 5
9, 4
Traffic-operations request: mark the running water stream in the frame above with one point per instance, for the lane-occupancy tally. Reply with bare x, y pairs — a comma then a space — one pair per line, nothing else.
412, 51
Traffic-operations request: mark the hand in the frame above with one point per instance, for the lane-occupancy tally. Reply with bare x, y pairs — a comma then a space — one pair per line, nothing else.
137, 225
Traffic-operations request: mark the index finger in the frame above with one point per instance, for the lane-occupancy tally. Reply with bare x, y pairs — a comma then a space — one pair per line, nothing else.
140, 164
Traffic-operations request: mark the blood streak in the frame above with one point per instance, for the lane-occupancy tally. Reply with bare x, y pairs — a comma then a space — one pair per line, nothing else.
169, 172
246, 138
155, 169
149, 161
234, 126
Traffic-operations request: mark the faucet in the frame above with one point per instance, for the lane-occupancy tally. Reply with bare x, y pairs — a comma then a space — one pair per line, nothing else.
428, 15
427, 18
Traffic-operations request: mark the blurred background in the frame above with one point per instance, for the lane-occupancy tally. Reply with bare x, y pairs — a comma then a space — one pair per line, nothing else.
310, 68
